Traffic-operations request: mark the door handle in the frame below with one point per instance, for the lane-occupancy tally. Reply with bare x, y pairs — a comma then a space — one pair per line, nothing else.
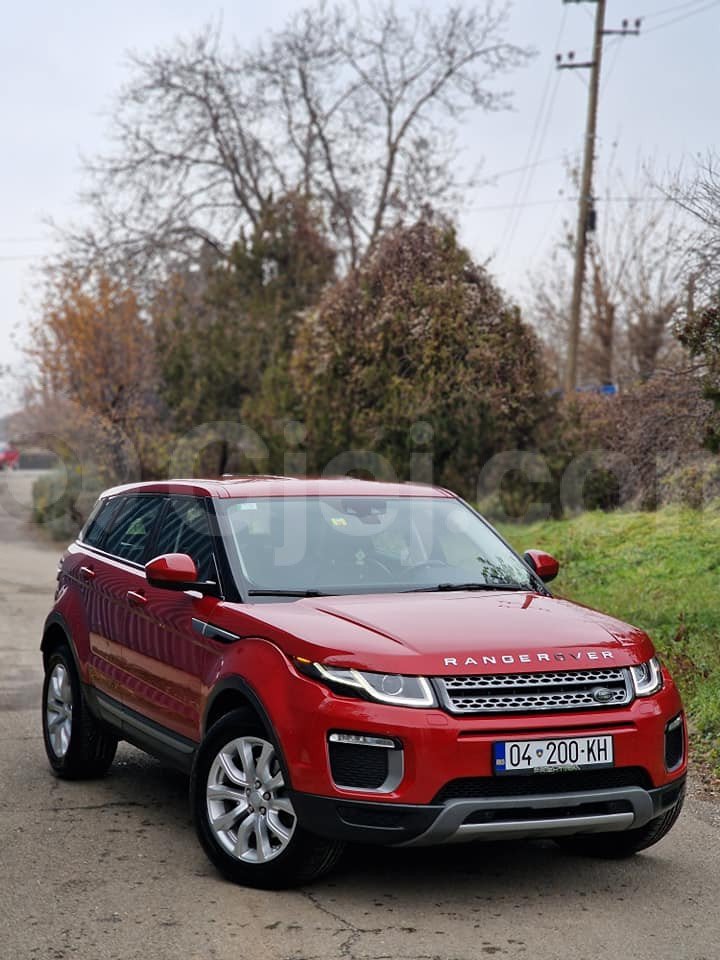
135, 598
87, 573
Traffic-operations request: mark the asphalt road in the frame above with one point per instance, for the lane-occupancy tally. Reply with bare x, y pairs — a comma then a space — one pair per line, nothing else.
111, 869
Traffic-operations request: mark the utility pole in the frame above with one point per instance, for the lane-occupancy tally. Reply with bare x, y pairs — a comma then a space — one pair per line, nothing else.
586, 210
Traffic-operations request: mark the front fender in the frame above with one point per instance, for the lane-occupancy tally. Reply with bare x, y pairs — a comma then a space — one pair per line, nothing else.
261, 673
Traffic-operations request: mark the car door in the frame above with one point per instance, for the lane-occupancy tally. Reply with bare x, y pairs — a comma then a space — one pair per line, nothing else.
170, 659
117, 572
81, 566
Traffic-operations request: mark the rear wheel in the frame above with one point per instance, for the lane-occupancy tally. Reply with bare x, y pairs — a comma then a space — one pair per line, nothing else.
77, 746
243, 815
616, 846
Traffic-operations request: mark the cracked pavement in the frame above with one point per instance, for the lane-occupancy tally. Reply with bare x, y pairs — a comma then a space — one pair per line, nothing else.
111, 870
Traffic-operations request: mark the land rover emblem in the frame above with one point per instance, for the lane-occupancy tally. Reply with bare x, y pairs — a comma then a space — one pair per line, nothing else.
602, 695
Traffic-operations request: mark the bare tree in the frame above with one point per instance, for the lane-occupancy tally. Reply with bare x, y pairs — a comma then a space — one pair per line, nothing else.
700, 198
634, 291
644, 255
354, 105
599, 352
548, 307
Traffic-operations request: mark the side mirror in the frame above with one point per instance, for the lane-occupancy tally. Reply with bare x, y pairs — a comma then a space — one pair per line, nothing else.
545, 566
173, 571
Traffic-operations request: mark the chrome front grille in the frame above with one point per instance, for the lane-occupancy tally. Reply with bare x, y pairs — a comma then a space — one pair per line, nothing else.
528, 692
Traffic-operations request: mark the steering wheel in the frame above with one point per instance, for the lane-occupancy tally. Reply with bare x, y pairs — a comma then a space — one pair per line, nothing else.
417, 571
380, 565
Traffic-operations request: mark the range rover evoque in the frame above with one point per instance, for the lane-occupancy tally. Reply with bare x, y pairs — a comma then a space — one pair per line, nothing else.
344, 660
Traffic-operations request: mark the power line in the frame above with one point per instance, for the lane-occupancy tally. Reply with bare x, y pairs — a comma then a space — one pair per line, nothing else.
685, 16
532, 167
634, 200
528, 166
496, 207
523, 187
613, 63
678, 6
492, 207
24, 239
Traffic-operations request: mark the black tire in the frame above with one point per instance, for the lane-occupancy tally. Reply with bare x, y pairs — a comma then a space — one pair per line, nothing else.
618, 846
304, 858
90, 749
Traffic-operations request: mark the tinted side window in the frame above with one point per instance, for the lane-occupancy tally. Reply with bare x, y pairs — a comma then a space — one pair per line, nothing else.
99, 523
132, 527
185, 529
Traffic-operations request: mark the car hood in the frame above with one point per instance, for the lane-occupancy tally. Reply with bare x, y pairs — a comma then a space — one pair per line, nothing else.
448, 633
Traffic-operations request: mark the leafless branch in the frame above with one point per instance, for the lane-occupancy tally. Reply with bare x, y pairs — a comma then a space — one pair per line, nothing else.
354, 106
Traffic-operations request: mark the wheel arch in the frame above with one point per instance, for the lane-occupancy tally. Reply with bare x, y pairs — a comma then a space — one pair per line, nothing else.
55, 634
235, 693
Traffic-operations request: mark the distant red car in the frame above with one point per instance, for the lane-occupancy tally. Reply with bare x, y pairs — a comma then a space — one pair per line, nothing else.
340, 660
9, 457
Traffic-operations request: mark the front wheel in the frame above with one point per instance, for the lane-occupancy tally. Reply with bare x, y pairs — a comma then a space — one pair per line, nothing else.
617, 846
76, 746
243, 815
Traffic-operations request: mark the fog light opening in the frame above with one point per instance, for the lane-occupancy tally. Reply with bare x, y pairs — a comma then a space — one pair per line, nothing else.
365, 761
674, 743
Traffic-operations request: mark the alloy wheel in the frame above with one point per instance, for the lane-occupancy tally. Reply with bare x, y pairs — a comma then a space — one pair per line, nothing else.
248, 809
58, 710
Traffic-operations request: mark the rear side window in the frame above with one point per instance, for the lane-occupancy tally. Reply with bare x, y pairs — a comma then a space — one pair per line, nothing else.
185, 529
99, 523
132, 528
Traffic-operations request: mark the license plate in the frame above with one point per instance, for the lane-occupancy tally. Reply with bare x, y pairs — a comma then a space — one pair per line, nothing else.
547, 756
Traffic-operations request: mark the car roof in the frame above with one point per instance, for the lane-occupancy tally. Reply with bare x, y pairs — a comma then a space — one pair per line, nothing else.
270, 486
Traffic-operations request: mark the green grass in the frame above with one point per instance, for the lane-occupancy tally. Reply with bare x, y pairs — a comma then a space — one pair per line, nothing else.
659, 571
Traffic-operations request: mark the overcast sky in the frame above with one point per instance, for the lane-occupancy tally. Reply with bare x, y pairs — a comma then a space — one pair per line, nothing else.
60, 64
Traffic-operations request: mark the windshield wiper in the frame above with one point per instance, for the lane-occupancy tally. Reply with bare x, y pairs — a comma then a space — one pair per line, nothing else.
447, 587
287, 593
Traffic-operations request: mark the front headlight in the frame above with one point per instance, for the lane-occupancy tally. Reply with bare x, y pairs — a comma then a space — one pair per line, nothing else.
647, 677
384, 687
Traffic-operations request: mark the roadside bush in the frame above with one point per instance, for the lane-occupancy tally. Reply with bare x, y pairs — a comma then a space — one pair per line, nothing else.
62, 500
224, 332
643, 449
571, 437
418, 351
94, 382
701, 335
695, 484
37, 460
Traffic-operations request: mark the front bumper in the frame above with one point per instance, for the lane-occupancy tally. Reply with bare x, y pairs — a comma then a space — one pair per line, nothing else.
496, 818
440, 750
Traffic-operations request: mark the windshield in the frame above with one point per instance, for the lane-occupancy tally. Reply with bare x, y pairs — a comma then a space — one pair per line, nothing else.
344, 545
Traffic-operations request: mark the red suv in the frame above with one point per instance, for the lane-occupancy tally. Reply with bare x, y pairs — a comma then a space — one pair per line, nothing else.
341, 660
9, 457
